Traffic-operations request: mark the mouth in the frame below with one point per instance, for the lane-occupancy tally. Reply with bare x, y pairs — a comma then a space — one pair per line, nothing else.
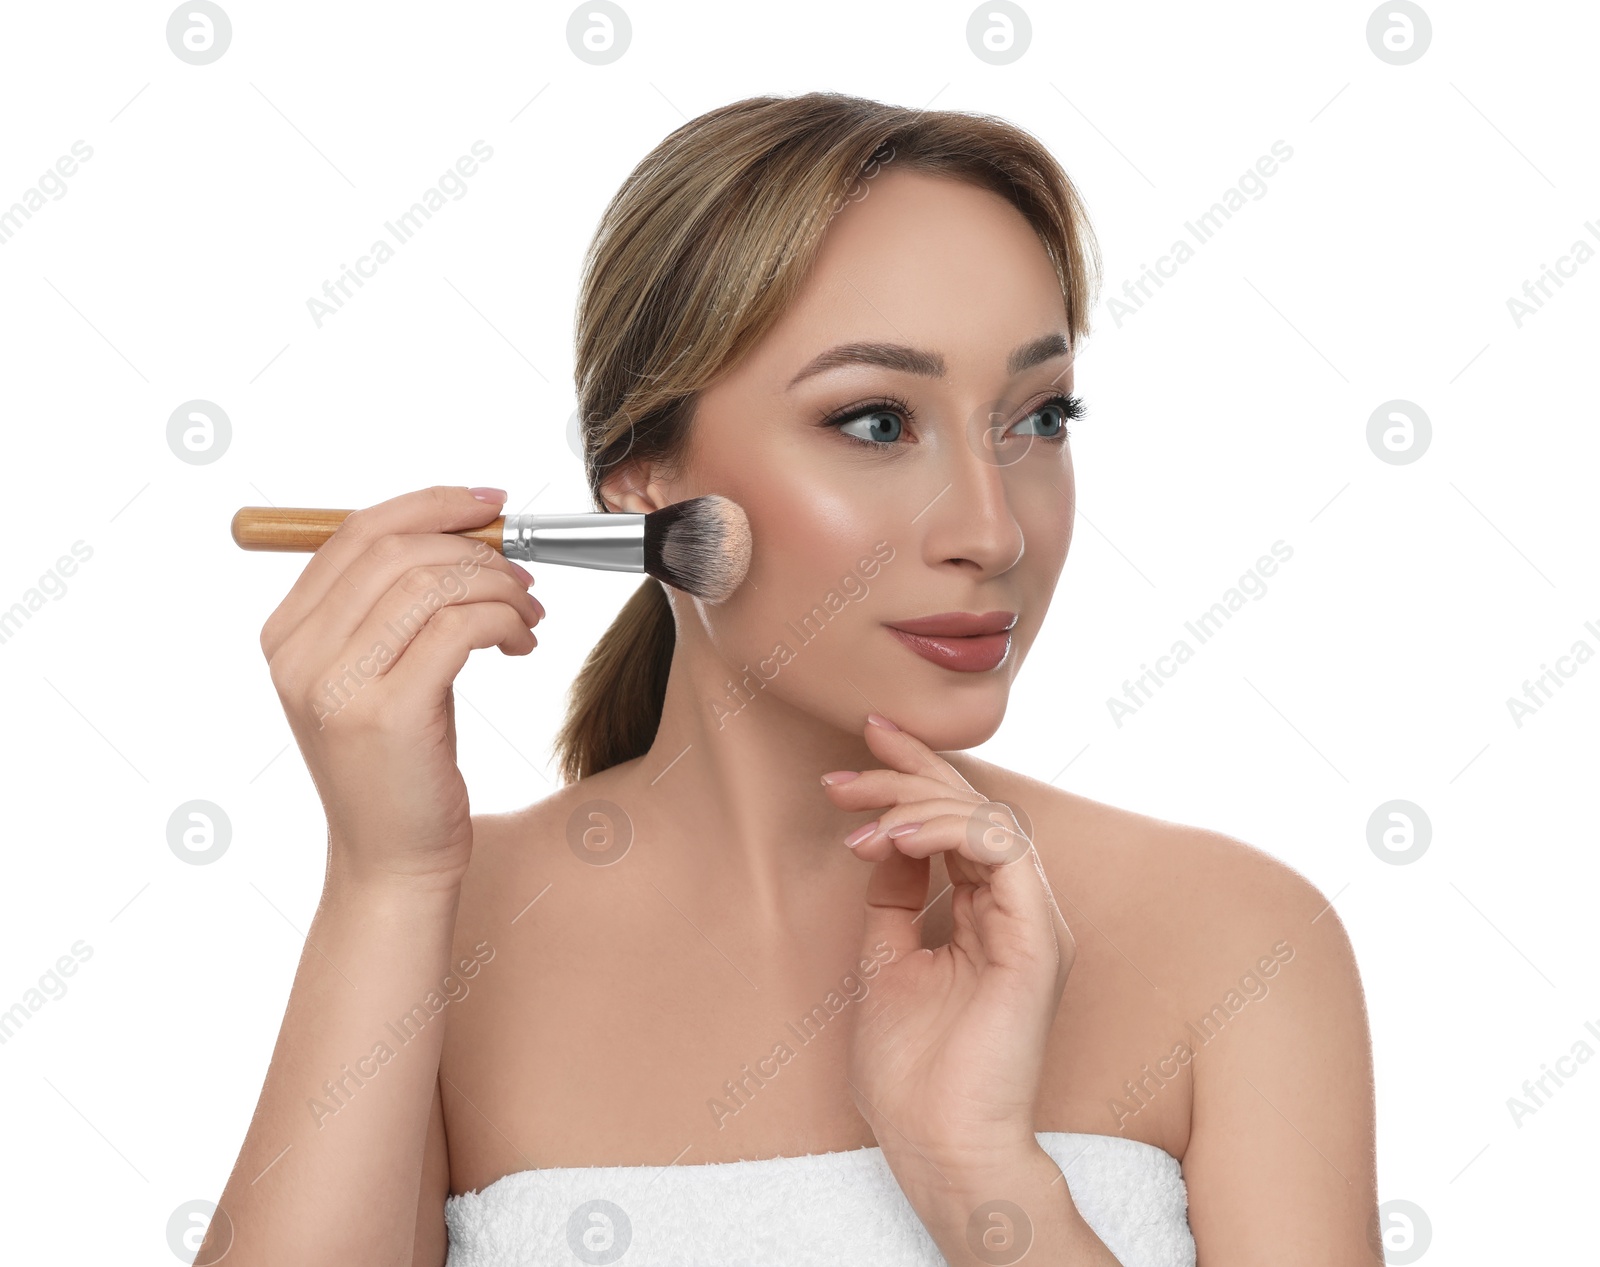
966, 642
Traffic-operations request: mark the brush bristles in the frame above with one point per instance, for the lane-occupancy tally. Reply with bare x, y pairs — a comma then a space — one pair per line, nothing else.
700, 546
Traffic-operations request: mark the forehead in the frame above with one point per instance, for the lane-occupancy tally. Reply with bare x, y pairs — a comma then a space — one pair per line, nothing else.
926, 260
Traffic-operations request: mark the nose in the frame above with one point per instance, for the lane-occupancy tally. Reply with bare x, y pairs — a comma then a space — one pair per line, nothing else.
971, 521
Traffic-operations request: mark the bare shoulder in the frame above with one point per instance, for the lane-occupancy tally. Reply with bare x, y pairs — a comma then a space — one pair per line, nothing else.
1203, 908
515, 850
1231, 960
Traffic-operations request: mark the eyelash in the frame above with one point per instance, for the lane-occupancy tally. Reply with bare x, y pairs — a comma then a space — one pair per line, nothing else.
1072, 408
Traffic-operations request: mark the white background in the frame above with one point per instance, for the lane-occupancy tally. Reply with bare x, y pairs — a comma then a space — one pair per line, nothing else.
1231, 412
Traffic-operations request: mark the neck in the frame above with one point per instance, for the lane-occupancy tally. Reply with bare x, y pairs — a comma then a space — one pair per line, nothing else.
733, 782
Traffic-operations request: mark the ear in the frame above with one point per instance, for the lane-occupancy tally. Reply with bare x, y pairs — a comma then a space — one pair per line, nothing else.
635, 489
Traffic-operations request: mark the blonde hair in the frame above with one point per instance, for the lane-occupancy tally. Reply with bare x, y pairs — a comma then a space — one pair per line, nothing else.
697, 255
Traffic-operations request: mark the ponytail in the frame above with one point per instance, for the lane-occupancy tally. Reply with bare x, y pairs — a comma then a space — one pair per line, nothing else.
615, 702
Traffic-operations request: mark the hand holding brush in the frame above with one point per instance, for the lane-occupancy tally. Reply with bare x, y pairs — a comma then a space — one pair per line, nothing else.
365, 646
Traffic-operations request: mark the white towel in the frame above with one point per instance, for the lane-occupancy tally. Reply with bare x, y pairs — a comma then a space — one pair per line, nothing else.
821, 1208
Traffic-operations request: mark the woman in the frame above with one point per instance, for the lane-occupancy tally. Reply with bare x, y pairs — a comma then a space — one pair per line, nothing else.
779, 1044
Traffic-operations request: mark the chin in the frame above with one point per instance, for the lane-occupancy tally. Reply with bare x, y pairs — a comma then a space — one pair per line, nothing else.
949, 720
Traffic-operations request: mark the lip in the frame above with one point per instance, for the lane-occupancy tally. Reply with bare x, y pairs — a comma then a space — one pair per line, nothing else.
967, 642
956, 624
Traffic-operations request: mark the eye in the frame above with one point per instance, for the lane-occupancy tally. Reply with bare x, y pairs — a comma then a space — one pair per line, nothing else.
1056, 413
883, 420
883, 426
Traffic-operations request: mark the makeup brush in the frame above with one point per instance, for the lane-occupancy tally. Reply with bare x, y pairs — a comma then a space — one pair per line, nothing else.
700, 546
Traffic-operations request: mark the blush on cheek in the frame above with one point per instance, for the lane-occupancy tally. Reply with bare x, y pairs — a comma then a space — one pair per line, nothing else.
807, 588
814, 534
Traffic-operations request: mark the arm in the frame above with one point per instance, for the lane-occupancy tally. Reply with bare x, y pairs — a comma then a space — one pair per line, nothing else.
1005, 1211
332, 1164
1281, 1160
433, 1239
346, 1142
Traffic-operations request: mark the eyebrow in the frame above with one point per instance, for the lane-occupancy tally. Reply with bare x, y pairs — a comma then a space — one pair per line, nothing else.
897, 356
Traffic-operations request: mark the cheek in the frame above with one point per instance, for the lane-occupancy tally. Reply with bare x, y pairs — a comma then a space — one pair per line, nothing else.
807, 587
812, 537
1047, 526
1045, 503
825, 517
1064, 507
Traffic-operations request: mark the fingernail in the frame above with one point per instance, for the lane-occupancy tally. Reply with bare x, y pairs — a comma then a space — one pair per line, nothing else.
840, 776
488, 494
861, 834
521, 573
881, 721
905, 829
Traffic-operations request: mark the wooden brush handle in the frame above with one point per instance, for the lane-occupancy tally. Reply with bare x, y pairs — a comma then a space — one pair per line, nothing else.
305, 528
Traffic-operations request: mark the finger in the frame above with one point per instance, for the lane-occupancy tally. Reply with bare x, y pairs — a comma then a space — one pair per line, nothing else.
389, 557
903, 751
324, 675
897, 893
1011, 904
870, 789
402, 613
432, 566
442, 508
434, 657
984, 832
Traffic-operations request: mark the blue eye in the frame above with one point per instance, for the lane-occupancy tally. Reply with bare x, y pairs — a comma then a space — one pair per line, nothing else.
883, 425
1060, 410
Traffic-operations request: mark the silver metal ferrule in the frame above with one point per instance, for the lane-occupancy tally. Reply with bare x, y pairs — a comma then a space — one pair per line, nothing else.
605, 542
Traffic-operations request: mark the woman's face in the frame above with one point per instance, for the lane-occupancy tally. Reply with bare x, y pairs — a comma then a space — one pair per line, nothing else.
964, 504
